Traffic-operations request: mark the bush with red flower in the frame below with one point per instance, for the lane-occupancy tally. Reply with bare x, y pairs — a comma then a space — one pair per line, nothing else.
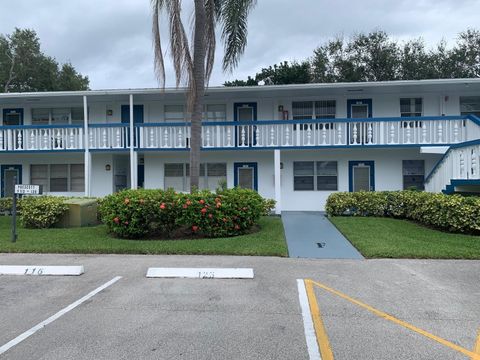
147, 213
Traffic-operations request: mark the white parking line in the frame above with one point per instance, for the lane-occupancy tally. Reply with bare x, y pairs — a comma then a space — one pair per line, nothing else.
201, 273
39, 270
310, 335
52, 318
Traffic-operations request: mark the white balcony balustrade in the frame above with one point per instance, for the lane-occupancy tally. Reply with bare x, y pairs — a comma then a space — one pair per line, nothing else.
415, 131
108, 136
41, 138
461, 162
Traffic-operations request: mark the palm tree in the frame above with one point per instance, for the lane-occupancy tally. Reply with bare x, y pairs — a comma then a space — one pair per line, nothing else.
195, 69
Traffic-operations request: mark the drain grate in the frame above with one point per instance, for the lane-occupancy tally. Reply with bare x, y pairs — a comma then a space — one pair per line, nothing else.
321, 245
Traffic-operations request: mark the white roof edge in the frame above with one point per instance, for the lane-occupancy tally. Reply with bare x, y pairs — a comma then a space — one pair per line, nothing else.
219, 89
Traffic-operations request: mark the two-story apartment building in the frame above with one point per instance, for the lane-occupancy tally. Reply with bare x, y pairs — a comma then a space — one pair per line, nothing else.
293, 143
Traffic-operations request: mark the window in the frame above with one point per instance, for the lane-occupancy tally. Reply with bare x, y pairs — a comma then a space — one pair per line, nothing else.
311, 175
324, 109
215, 112
411, 107
174, 113
58, 177
413, 174
56, 116
177, 176
470, 105
327, 175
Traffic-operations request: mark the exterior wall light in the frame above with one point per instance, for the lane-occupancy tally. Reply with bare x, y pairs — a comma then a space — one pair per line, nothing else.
107, 167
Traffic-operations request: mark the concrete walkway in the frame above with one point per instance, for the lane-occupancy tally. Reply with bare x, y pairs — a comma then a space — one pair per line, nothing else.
311, 235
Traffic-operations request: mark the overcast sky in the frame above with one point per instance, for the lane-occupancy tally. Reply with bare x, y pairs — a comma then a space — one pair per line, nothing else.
110, 40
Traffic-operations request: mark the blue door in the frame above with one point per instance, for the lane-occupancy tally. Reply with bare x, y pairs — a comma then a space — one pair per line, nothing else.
246, 175
361, 176
245, 112
12, 117
137, 114
8, 173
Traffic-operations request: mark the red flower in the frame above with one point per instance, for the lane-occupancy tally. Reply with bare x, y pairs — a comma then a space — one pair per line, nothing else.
203, 211
219, 204
237, 227
194, 228
225, 220
201, 201
162, 206
189, 203
217, 199
127, 201
210, 216
185, 206
125, 222
116, 220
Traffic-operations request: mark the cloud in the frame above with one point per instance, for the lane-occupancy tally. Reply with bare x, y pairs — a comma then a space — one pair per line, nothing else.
110, 40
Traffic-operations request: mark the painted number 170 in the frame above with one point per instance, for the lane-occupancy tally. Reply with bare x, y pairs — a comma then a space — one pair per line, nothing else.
33, 271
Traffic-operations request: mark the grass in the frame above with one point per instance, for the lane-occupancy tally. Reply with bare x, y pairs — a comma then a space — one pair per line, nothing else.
393, 238
269, 241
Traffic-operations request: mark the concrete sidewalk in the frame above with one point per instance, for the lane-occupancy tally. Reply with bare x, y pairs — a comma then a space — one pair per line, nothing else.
310, 234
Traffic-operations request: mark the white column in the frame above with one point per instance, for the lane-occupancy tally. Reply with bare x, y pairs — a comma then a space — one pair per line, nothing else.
278, 186
133, 163
86, 145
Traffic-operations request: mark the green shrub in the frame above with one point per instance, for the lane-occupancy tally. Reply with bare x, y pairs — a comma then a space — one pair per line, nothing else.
453, 213
6, 205
268, 206
143, 213
41, 211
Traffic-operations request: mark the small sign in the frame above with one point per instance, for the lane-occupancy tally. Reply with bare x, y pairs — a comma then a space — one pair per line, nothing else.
28, 189
201, 273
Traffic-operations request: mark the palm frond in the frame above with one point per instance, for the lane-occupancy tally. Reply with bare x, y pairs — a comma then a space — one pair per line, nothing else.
159, 64
233, 18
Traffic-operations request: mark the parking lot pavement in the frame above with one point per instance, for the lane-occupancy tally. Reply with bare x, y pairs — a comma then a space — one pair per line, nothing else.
140, 318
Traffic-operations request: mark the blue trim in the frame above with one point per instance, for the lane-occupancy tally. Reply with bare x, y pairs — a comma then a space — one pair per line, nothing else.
252, 165
5, 167
450, 189
453, 146
108, 125
18, 110
367, 102
351, 164
110, 150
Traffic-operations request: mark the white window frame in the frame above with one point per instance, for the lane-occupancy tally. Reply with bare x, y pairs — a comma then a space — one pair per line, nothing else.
315, 174
49, 177
472, 111
314, 114
50, 114
186, 174
411, 113
413, 174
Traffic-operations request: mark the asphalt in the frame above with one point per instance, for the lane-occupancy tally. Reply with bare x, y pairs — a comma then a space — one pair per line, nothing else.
140, 318
310, 234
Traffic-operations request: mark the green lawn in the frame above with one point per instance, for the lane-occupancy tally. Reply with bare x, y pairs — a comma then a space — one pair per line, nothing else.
269, 241
393, 238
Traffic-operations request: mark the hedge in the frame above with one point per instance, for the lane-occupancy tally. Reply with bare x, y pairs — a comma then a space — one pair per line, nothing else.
454, 213
41, 211
147, 213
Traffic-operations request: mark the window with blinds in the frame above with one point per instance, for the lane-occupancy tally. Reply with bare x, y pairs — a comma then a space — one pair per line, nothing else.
315, 175
174, 113
413, 174
177, 176
323, 109
57, 116
58, 177
215, 112
411, 107
470, 105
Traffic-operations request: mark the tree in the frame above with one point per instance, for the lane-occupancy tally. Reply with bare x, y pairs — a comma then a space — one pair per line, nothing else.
376, 57
23, 66
278, 74
194, 69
